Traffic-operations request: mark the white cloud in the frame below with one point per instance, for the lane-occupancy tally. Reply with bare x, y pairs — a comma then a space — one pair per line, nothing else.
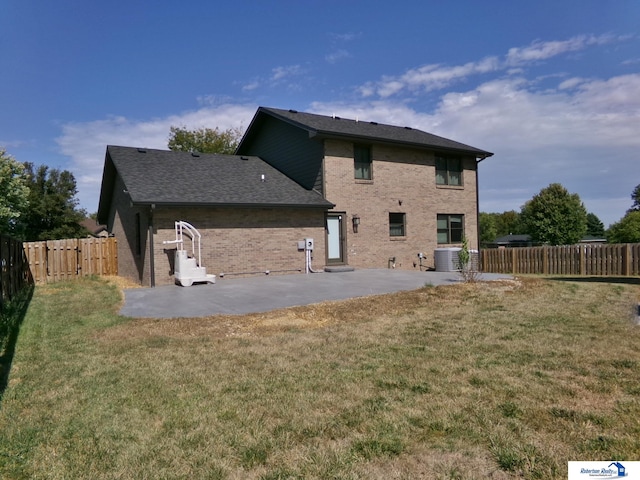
250, 86
437, 76
570, 83
278, 76
428, 77
85, 142
345, 37
12, 143
539, 50
543, 50
432, 77
337, 55
280, 73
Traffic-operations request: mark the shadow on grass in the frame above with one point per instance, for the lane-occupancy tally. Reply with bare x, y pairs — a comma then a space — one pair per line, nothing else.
604, 279
11, 318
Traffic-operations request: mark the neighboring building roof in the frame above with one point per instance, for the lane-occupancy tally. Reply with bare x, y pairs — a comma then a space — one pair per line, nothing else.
322, 126
165, 177
592, 239
513, 239
92, 226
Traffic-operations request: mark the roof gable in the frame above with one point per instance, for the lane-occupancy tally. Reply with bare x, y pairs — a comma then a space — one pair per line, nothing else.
165, 177
322, 126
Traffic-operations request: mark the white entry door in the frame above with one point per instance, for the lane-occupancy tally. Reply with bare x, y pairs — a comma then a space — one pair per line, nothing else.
335, 242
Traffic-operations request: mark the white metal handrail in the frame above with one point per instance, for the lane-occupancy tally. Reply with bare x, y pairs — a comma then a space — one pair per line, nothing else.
191, 231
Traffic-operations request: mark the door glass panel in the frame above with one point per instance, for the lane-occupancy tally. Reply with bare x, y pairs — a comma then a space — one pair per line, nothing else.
333, 237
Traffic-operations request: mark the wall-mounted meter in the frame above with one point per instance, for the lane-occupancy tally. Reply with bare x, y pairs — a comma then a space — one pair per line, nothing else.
308, 243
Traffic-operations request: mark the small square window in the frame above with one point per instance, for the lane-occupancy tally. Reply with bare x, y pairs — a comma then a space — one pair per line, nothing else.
362, 162
450, 228
448, 171
397, 223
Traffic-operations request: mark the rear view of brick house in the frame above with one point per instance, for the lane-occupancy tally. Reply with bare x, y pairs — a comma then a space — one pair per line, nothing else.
370, 195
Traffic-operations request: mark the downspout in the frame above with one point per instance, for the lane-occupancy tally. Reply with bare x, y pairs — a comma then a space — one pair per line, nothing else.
478, 206
152, 262
478, 200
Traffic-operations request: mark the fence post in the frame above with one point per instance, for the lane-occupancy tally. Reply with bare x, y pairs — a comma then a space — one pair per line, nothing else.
626, 260
13, 269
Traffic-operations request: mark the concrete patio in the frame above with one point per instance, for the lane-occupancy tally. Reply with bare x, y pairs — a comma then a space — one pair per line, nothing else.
237, 296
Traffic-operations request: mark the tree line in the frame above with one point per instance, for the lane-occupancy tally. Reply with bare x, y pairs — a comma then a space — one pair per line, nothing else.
38, 202
556, 217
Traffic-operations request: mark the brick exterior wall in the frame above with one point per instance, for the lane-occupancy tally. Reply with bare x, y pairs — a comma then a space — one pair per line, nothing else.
403, 181
122, 223
236, 241
233, 240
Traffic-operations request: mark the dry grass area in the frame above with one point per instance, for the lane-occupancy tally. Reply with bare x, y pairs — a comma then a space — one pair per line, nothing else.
497, 380
312, 316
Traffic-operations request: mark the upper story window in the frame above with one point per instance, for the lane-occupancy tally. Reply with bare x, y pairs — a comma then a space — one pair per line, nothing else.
397, 223
448, 171
362, 162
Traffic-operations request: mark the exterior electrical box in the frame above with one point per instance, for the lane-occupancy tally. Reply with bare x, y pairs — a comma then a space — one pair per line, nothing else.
308, 244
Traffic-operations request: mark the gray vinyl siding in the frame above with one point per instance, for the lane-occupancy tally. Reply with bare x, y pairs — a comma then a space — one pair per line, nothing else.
289, 149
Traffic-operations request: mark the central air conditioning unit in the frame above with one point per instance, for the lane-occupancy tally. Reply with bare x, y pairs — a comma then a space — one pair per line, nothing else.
446, 259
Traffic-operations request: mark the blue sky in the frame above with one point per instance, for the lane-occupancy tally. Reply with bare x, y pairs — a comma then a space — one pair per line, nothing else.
552, 88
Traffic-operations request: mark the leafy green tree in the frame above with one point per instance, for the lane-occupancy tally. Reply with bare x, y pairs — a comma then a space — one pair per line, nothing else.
53, 212
494, 225
627, 230
14, 193
205, 140
595, 227
555, 216
508, 223
487, 225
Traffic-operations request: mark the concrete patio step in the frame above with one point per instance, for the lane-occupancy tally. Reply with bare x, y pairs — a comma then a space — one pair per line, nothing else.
339, 268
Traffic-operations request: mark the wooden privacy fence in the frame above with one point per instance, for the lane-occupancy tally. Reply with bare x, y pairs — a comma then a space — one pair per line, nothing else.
55, 260
618, 259
14, 275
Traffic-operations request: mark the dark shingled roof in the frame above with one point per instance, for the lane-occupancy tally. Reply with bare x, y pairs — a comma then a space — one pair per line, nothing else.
322, 126
165, 177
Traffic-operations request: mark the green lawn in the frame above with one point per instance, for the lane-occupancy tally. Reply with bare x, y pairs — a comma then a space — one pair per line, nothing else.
488, 380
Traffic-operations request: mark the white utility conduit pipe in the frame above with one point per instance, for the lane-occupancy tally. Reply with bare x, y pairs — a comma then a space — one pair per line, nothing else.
308, 263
